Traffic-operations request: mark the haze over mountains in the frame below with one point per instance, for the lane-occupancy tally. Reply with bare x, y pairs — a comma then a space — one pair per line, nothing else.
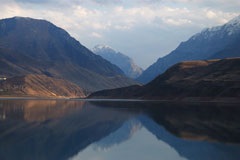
37, 52
217, 42
125, 63
195, 76
31, 46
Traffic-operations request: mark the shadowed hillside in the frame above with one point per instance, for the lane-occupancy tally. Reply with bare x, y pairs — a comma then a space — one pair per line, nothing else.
31, 46
201, 80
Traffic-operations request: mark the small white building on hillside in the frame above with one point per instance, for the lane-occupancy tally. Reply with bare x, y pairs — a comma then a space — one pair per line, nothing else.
3, 78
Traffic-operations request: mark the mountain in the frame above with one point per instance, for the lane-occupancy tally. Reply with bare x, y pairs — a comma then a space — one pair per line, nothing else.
39, 85
31, 46
192, 80
125, 63
217, 42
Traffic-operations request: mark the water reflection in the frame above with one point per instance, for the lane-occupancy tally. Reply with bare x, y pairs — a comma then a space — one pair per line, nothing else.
142, 145
72, 129
201, 121
38, 110
53, 129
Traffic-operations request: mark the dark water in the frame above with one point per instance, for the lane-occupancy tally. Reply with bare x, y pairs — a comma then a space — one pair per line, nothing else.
102, 130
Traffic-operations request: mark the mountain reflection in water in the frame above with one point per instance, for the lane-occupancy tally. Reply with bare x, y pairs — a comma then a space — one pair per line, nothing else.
74, 129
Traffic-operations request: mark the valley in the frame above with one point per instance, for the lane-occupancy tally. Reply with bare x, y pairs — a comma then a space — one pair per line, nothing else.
40, 59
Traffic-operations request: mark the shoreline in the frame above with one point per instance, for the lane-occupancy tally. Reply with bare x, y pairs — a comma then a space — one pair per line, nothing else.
184, 100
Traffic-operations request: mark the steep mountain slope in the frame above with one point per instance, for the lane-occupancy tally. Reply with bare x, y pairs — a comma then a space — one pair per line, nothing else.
124, 62
199, 79
39, 47
40, 86
217, 42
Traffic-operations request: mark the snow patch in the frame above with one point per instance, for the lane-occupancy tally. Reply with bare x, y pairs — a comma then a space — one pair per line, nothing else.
230, 28
101, 47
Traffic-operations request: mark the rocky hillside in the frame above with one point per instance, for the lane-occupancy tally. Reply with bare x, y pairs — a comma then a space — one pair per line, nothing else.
208, 79
31, 46
39, 86
125, 63
217, 42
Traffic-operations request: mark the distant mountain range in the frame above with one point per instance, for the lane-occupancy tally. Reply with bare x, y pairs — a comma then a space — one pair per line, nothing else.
217, 42
31, 46
192, 80
125, 63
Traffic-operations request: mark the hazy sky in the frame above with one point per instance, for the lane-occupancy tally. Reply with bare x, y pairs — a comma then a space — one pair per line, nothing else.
142, 29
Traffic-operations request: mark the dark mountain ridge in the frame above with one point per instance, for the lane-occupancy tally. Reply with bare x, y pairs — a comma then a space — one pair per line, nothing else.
217, 42
199, 80
31, 46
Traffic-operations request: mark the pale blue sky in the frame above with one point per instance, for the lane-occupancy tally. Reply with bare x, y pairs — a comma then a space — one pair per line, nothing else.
142, 29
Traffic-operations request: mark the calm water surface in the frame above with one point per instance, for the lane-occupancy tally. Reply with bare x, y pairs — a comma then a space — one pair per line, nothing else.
112, 130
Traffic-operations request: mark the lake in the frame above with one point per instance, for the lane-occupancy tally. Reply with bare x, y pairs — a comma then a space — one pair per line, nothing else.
34, 129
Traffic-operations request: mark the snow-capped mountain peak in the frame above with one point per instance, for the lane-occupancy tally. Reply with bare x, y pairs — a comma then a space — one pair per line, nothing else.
125, 63
101, 47
235, 21
230, 28
211, 43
